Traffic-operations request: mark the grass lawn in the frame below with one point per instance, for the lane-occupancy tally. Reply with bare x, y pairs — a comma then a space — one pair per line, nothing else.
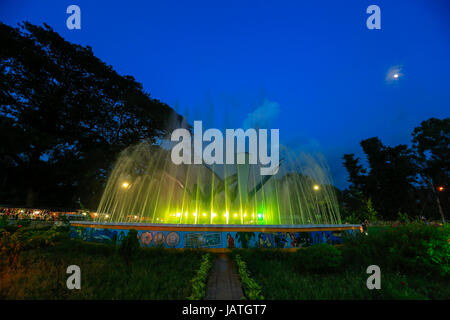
414, 262
281, 278
154, 274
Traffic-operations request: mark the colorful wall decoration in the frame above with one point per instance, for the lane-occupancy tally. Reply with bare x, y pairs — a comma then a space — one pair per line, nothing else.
213, 239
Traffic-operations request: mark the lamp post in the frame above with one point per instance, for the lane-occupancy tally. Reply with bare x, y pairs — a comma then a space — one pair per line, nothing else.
316, 189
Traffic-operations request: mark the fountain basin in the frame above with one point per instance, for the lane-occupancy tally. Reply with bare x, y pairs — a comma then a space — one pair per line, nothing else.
214, 237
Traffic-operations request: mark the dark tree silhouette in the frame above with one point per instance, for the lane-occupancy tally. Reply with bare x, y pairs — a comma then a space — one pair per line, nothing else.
64, 116
389, 180
401, 178
431, 140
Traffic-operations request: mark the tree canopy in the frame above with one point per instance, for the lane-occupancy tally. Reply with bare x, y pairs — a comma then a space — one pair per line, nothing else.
64, 116
401, 178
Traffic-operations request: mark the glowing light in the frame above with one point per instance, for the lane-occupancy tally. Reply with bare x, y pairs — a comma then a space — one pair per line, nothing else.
204, 214
396, 76
186, 214
244, 214
125, 185
441, 188
235, 215
135, 217
316, 187
194, 214
107, 216
178, 214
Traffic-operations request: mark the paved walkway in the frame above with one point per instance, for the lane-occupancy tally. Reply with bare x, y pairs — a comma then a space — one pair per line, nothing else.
223, 282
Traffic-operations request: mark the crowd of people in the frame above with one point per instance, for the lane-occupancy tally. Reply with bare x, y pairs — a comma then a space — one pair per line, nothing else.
32, 214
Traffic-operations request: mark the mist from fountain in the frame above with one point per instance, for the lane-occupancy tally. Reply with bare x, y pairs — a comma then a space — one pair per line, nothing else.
145, 186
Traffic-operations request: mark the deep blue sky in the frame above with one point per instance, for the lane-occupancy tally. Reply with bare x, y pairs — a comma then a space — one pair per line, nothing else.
311, 67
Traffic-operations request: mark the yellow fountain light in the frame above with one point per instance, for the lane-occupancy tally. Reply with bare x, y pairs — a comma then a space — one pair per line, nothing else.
107, 216
135, 217
235, 215
125, 185
316, 187
204, 214
178, 214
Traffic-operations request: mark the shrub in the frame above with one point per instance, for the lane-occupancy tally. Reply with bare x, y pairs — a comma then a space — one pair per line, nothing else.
9, 246
415, 247
199, 281
438, 252
252, 289
320, 258
3, 221
129, 246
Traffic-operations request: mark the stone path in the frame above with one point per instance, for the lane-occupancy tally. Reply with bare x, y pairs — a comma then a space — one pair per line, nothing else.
223, 282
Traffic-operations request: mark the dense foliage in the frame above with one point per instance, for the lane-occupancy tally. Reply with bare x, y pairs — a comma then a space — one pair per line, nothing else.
252, 289
320, 258
199, 282
64, 117
401, 179
129, 246
411, 248
33, 265
413, 258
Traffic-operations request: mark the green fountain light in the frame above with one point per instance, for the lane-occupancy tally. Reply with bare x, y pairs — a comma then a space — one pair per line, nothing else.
146, 184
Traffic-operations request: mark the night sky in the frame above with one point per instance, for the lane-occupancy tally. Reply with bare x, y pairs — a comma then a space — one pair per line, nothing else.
310, 68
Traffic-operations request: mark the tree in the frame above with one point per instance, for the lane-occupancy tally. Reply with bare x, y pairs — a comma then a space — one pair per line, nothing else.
431, 141
388, 182
64, 116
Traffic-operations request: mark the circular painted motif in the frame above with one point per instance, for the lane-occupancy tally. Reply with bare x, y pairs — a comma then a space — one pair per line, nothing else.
146, 238
159, 238
172, 239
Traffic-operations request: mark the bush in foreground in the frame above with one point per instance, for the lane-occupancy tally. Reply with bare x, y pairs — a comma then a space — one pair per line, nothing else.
320, 258
414, 248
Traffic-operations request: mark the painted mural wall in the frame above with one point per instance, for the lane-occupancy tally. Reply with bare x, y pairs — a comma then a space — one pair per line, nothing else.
212, 239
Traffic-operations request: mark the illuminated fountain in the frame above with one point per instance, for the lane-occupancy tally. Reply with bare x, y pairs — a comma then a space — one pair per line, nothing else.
218, 206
